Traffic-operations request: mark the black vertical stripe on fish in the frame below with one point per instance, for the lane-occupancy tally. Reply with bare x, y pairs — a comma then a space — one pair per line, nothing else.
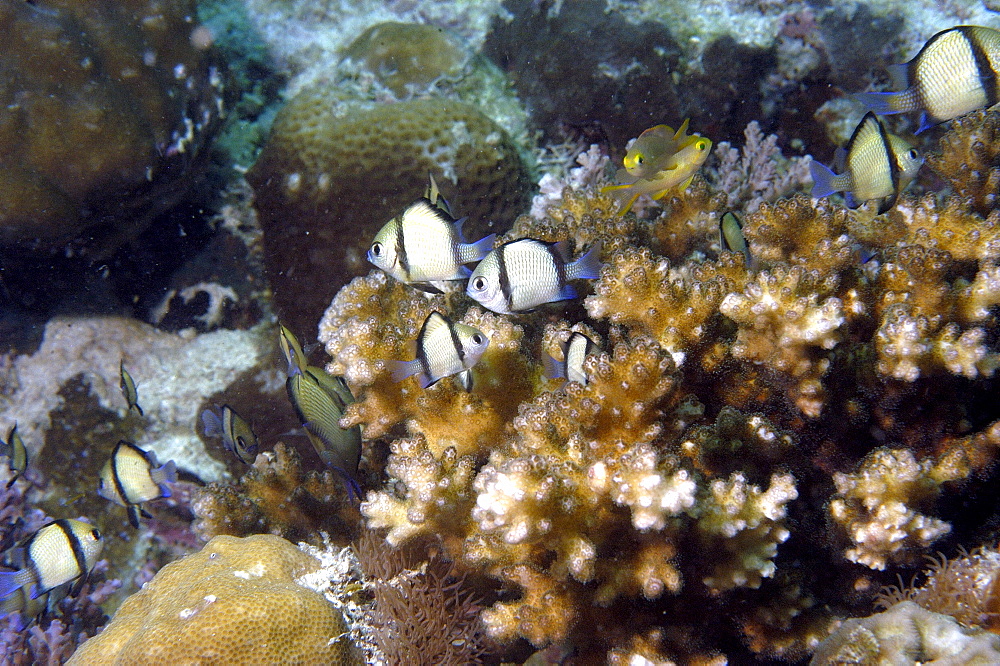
30, 564
504, 276
560, 263
984, 69
456, 343
893, 163
425, 363
115, 478
74, 544
404, 262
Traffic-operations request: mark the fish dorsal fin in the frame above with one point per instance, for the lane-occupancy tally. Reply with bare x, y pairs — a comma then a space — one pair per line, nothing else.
435, 324
682, 130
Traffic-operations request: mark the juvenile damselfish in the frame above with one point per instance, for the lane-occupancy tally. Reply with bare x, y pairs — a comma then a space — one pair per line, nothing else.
16, 453
425, 244
128, 389
133, 476
60, 552
575, 351
954, 73
443, 348
237, 435
878, 166
731, 239
526, 273
658, 161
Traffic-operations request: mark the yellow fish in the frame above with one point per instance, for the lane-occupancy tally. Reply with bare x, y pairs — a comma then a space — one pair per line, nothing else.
129, 390
658, 161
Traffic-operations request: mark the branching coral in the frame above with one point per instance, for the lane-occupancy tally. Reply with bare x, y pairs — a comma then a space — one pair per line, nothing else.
276, 496
879, 507
687, 483
970, 160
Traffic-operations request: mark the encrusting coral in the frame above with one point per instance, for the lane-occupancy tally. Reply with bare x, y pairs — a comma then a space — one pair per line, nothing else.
743, 424
237, 601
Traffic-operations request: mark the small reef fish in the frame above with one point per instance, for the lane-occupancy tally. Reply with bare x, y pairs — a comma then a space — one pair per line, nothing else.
425, 244
443, 348
17, 454
128, 389
319, 400
133, 476
878, 165
659, 161
575, 352
236, 434
60, 552
731, 239
29, 609
526, 273
954, 73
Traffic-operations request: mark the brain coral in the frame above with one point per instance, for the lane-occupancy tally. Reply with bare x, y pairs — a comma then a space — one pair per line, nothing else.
333, 173
234, 602
101, 104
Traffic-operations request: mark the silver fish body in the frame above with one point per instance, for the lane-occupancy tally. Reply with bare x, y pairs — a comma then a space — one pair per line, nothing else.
526, 273
425, 244
132, 476
16, 453
128, 389
237, 435
954, 73
443, 349
60, 552
575, 351
878, 165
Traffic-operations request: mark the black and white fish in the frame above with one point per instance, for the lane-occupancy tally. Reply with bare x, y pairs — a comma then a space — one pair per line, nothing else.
61, 551
878, 166
133, 476
526, 273
425, 244
443, 348
954, 73
575, 351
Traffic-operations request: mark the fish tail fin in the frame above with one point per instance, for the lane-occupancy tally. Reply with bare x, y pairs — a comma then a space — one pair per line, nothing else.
625, 195
587, 267
476, 251
883, 103
165, 475
823, 178
133, 515
552, 368
925, 123
10, 581
211, 422
400, 370
353, 489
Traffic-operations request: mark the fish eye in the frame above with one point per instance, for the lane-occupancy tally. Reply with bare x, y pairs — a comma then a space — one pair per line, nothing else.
638, 159
95, 534
914, 153
377, 249
479, 283
701, 145
477, 339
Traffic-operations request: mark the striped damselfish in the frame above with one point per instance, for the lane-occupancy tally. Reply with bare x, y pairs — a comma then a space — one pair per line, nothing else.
526, 273
954, 73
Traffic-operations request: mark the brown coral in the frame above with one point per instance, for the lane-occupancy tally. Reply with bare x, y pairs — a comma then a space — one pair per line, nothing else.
970, 159
234, 602
276, 496
98, 102
332, 173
